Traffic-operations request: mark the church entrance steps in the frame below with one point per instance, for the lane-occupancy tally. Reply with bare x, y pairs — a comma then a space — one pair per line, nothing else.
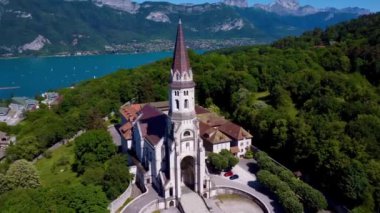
191, 202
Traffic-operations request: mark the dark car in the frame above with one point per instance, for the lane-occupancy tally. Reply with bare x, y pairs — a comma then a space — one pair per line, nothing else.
234, 177
228, 174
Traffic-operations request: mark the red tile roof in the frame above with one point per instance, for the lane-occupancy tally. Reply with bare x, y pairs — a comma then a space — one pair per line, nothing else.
130, 112
126, 130
200, 110
212, 119
234, 131
212, 135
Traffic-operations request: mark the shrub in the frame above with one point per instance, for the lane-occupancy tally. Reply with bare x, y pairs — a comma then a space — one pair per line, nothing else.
310, 197
286, 196
249, 154
267, 163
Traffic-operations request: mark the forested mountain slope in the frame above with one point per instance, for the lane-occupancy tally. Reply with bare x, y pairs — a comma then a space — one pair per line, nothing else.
35, 27
311, 102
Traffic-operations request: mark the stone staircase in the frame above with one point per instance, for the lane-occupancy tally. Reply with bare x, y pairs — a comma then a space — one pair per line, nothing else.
191, 202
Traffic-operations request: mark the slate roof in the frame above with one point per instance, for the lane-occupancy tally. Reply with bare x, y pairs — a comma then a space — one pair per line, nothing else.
180, 58
153, 124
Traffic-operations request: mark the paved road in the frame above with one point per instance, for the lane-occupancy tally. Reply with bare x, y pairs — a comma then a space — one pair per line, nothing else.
138, 204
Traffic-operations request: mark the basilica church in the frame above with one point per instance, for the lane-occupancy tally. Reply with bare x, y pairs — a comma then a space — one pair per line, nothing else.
169, 140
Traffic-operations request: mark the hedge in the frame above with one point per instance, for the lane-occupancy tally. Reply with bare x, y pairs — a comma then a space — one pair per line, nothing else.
286, 196
310, 197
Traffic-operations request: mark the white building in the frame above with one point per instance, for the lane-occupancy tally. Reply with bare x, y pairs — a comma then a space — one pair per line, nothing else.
164, 139
167, 140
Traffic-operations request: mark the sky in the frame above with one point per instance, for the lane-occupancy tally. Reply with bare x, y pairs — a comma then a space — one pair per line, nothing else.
373, 5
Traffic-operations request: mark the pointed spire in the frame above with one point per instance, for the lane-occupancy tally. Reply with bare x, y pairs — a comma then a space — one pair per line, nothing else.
180, 58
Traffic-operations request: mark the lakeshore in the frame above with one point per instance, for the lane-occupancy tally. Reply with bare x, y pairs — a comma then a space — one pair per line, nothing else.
30, 76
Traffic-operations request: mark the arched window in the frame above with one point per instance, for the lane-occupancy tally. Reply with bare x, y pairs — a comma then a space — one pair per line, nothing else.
177, 76
185, 76
177, 104
187, 133
186, 104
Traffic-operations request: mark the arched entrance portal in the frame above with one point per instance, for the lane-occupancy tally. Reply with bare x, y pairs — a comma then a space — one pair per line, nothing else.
188, 172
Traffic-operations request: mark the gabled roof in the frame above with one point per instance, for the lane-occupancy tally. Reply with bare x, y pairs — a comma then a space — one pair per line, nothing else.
201, 110
234, 131
130, 112
180, 58
211, 134
126, 130
153, 124
212, 119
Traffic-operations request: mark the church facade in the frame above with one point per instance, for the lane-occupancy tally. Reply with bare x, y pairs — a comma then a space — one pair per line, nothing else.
166, 139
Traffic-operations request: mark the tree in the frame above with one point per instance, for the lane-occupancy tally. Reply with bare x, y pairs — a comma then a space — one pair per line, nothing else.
92, 148
26, 148
25, 200
353, 183
231, 159
223, 160
80, 198
60, 198
93, 176
4, 184
22, 174
116, 177
218, 162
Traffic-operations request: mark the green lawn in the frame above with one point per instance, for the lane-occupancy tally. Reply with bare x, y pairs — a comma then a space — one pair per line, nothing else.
57, 169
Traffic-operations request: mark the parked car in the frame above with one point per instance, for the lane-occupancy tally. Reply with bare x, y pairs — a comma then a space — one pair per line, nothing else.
228, 174
234, 177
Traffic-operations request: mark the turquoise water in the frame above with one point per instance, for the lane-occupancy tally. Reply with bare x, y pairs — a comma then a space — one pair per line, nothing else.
36, 75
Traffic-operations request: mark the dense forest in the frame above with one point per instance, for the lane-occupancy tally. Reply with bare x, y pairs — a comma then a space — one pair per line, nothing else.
311, 102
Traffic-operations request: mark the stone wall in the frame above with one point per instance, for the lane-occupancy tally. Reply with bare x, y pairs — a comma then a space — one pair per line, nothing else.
229, 190
116, 204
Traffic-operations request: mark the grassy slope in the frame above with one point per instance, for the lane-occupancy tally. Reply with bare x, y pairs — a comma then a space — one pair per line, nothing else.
52, 173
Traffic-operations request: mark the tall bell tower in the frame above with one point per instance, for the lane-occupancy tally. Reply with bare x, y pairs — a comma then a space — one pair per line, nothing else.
187, 158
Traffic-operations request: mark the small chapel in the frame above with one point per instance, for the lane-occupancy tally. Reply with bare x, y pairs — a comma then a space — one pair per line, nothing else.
169, 140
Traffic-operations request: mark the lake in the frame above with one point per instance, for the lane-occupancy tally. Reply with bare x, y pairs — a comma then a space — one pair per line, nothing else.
36, 75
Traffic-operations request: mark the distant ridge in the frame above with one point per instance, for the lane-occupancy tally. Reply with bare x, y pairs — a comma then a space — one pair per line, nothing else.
77, 27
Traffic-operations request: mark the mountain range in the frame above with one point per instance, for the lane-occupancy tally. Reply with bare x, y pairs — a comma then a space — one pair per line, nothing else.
45, 27
293, 7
